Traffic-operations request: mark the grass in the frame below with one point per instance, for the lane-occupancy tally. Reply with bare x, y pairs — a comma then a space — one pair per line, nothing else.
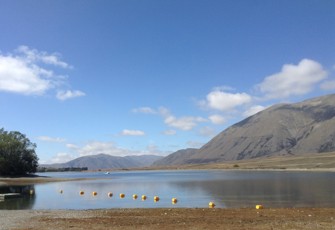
316, 161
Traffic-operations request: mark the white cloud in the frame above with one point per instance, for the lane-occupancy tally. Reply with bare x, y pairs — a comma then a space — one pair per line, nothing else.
253, 110
170, 132
153, 149
328, 85
127, 132
207, 131
97, 147
224, 101
217, 119
68, 94
28, 71
194, 144
72, 146
145, 110
17, 76
51, 139
293, 80
33, 56
61, 158
185, 123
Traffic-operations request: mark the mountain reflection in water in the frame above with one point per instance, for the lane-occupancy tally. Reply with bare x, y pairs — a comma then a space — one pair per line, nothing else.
192, 188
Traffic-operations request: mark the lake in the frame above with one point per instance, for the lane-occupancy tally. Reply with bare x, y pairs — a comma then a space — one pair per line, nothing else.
192, 188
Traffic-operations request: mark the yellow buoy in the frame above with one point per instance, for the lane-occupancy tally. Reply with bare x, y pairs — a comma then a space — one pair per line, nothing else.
122, 195
144, 197
60, 191
94, 193
156, 198
110, 194
81, 193
211, 204
31, 192
259, 206
135, 196
174, 200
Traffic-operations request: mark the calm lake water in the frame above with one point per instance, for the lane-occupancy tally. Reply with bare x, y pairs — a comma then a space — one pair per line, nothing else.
192, 188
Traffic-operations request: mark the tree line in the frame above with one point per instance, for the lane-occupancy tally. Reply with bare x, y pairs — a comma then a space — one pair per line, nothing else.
67, 169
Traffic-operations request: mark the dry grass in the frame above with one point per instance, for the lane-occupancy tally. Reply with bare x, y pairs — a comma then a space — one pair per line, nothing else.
316, 161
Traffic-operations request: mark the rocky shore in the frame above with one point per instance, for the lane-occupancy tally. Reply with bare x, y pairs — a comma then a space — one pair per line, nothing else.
177, 218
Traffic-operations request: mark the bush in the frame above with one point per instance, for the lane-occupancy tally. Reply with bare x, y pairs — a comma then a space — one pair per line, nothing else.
17, 154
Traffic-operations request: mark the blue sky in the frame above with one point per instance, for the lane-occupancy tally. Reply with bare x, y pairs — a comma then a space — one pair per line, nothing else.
132, 77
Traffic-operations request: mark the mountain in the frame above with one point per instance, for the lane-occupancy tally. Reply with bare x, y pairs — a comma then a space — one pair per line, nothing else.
283, 129
104, 161
176, 158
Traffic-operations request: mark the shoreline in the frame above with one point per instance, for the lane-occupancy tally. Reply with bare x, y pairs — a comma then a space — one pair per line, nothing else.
7, 181
170, 218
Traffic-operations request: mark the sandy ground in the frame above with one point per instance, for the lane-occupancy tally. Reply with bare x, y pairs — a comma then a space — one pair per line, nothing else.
177, 218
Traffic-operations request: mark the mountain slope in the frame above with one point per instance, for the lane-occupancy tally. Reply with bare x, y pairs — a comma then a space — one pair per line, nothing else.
176, 158
283, 129
104, 161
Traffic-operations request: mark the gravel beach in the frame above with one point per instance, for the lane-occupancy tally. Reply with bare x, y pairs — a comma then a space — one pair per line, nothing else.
177, 218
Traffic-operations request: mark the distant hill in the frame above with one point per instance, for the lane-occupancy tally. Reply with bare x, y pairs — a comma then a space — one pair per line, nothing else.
283, 129
104, 161
176, 158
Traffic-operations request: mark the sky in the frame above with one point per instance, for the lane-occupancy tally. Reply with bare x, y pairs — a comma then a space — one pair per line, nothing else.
135, 77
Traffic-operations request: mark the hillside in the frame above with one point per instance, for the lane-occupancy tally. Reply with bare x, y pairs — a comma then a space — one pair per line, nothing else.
176, 158
104, 161
281, 130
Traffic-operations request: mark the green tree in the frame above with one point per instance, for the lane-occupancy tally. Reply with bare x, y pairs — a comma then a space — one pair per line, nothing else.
17, 154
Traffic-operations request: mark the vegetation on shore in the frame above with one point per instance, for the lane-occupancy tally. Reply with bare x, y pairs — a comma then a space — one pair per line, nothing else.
17, 154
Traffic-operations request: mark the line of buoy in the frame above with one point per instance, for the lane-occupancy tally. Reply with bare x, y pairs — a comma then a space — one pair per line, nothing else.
211, 204
144, 197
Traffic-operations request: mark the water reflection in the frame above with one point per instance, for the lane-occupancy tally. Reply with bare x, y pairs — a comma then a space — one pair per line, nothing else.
27, 200
278, 191
191, 188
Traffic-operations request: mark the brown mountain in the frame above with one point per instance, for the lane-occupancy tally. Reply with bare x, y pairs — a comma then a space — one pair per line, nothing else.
283, 129
176, 158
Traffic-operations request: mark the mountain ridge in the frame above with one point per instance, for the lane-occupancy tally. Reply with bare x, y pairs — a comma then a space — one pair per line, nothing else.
105, 161
282, 129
